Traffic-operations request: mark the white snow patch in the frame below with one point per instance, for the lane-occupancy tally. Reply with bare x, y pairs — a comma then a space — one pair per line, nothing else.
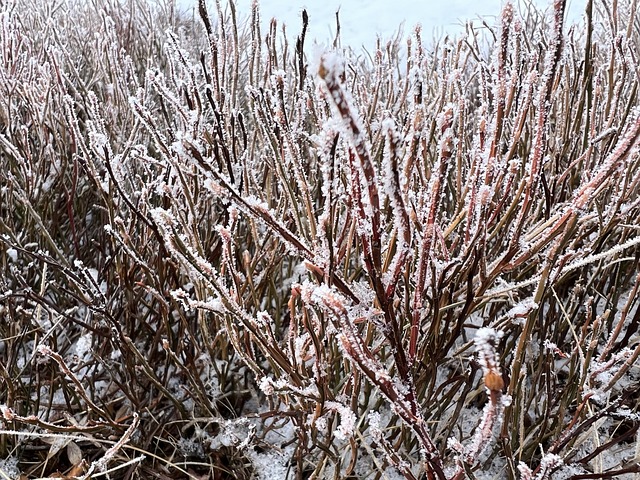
12, 253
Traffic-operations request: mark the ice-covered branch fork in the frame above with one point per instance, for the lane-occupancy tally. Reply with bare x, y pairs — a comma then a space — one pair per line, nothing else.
365, 196
493, 412
369, 205
363, 359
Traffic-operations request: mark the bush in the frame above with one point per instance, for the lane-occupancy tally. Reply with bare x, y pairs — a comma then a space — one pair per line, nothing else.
222, 261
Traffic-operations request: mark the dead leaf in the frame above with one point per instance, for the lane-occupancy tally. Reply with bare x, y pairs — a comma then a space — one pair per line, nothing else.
74, 453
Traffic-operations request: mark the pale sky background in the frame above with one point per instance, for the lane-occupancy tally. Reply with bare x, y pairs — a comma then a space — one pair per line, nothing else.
362, 20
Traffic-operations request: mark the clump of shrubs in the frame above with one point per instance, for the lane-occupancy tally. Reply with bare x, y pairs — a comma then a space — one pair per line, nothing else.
223, 258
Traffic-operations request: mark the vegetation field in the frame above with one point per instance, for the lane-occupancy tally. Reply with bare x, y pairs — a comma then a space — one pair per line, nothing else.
224, 255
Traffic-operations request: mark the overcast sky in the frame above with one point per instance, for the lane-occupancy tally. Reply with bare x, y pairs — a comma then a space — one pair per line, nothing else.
362, 20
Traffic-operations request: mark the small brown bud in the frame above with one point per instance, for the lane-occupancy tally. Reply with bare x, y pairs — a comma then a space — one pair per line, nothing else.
493, 381
322, 70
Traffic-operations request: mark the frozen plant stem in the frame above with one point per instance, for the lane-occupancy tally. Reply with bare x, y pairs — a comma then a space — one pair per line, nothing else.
370, 239
333, 240
368, 202
363, 359
493, 412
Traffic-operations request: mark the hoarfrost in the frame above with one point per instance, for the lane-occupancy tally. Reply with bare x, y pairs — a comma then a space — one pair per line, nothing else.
374, 424
348, 420
520, 310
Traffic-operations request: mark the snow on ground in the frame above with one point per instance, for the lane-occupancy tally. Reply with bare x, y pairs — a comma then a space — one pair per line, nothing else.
362, 21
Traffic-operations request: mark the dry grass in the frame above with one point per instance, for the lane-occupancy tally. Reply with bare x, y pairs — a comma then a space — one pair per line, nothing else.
222, 261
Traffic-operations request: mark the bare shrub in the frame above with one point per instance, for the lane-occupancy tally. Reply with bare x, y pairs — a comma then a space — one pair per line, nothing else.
222, 261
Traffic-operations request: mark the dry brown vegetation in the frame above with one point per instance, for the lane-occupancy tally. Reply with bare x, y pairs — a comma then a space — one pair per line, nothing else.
219, 260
